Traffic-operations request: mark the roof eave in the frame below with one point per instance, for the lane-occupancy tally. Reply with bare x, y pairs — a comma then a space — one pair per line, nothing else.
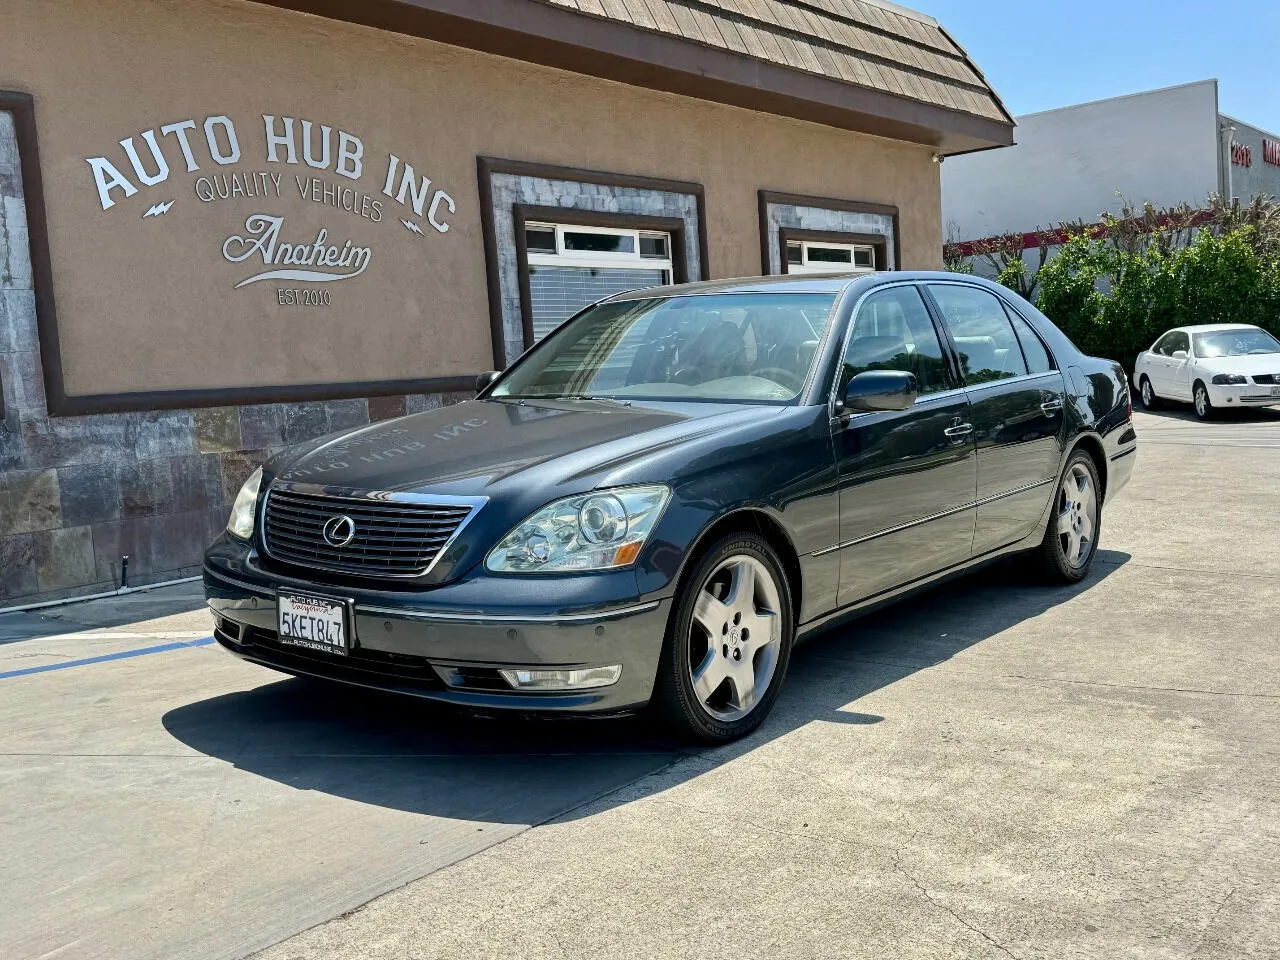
557, 37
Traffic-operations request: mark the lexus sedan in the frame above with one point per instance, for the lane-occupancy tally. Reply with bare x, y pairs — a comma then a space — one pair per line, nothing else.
652, 505
1218, 366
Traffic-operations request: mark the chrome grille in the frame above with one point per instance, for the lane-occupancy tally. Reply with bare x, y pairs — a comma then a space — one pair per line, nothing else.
400, 537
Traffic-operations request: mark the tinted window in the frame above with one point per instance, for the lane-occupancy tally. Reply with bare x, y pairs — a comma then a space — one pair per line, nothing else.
653, 246
1033, 349
983, 335
600, 242
830, 255
1162, 345
892, 331
1179, 341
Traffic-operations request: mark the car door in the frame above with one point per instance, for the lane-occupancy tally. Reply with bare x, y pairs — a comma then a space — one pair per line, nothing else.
907, 477
1159, 364
1177, 367
1017, 399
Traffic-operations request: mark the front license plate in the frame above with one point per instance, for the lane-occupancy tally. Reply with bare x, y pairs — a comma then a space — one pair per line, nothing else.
313, 622
1275, 391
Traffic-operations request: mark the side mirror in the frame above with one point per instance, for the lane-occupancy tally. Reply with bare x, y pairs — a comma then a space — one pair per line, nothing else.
1179, 355
484, 379
881, 390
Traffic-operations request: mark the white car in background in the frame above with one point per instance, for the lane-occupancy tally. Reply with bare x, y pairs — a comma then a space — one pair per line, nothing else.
1213, 366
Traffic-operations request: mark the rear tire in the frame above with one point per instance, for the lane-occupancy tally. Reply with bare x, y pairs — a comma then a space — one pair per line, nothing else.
1200, 400
728, 642
1149, 399
1075, 520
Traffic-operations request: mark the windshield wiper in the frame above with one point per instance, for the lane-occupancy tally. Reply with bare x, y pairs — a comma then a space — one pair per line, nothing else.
584, 396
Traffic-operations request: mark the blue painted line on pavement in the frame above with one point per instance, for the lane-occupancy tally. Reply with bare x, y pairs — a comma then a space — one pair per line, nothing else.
122, 655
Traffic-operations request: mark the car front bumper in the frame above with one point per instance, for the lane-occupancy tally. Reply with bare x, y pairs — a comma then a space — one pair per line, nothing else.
1242, 395
447, 643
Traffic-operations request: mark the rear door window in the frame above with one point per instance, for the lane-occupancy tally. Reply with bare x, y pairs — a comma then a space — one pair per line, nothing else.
983, 335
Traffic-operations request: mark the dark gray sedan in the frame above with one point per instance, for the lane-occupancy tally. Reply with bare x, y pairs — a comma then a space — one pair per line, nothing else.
659, 499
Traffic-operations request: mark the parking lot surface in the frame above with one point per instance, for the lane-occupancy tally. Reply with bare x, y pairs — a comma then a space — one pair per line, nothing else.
994, 769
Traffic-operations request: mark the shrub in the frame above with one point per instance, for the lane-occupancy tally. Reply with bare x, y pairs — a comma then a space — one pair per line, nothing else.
1113, 299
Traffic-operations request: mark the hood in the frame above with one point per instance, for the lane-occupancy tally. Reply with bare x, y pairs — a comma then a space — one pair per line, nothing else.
474, 448
1249, 364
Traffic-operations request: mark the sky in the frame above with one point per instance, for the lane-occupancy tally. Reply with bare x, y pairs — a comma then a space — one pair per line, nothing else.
1041, 54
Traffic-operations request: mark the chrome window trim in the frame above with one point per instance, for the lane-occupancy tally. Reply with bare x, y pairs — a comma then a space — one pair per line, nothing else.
379, 496
934, 516
1018, 379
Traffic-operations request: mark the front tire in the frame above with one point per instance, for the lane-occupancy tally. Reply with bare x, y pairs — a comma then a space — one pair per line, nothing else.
728, 642
1200, 399
1149, 399
1071, 539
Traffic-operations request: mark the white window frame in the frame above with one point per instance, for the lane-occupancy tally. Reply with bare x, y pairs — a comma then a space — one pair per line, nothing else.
587, 258
827, 266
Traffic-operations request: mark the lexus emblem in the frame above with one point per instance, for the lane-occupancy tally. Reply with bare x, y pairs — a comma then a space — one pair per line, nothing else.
339, 531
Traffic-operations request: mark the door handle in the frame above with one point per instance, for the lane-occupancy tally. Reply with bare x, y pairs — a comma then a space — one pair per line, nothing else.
1050, 407
959, 431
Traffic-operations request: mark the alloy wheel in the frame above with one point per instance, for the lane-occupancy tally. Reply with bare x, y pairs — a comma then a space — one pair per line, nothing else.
735, 637
1148, 395
1202, 402
1077, 515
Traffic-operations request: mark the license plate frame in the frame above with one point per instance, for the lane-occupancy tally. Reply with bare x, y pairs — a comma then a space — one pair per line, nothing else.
302, 612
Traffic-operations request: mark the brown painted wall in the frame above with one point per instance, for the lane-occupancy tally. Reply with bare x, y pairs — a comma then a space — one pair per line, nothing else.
148, 303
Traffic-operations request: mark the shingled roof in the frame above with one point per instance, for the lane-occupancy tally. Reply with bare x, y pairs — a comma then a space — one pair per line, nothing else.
885, 48
866, 65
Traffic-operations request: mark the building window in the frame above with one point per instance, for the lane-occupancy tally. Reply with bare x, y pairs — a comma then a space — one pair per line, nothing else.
826, 235
572, 266
815, 257
558, 239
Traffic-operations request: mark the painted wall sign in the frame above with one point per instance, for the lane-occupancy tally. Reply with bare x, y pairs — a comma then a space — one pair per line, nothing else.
221, 168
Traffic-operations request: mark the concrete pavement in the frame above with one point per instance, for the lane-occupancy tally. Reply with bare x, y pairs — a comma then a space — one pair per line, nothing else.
996, 769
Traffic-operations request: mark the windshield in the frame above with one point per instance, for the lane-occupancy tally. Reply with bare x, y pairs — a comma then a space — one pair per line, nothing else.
1235, 343
723, 347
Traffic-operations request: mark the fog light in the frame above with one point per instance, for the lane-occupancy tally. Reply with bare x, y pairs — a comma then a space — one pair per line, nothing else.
582, 679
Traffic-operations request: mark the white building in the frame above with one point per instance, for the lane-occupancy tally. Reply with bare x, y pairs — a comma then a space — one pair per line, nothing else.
1162, 147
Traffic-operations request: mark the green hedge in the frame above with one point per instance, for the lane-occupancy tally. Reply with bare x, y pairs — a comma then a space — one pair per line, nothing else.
1114, 302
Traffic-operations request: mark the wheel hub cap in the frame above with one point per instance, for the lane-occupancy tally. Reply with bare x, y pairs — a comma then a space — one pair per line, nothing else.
735, 637
1077, 515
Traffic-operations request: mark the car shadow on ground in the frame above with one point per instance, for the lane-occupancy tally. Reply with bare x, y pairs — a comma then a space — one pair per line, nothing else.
425, 758
1171, 410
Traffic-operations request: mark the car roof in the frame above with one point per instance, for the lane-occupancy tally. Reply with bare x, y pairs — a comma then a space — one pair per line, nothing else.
1213, 327
786, 283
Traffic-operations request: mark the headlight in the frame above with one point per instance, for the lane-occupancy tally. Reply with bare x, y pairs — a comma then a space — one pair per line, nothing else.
595, 531
242, 511
1229, 379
